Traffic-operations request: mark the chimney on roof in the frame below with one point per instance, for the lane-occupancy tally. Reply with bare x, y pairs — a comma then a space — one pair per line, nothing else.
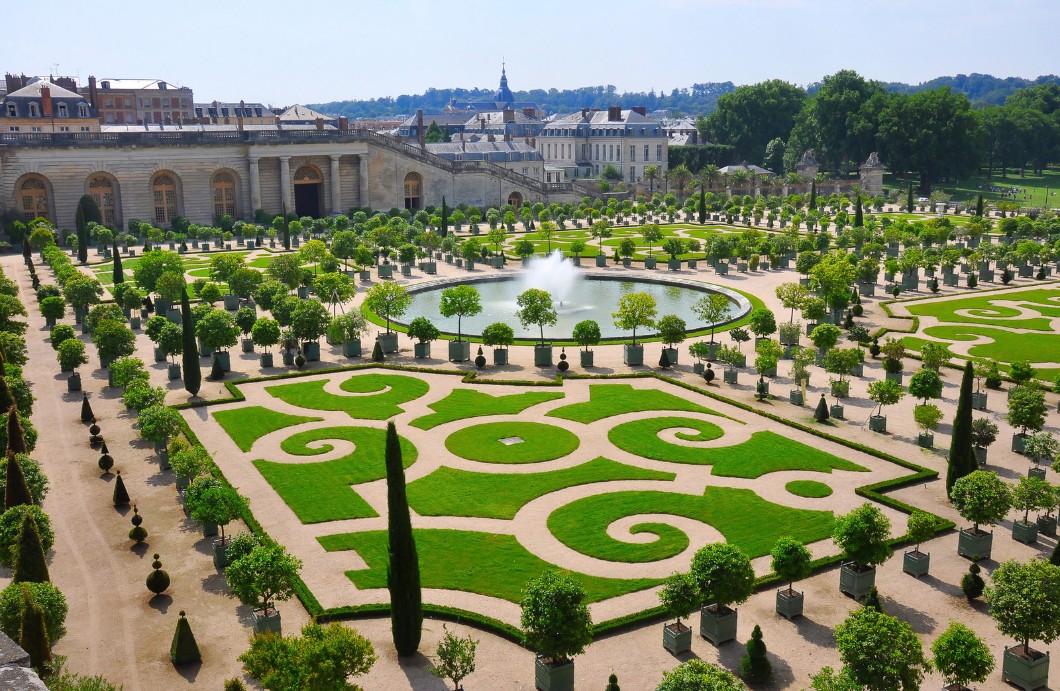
507, 136
242, 104
344, 123
463, 144
93, 92
162, 85
508, 115
614, 113
320, 124
528, 111
640, 110
585, 112
14, 82
46, 101
420, 134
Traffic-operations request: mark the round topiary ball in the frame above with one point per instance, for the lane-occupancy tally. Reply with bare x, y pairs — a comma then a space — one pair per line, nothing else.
299, 361
157, 580
106, 462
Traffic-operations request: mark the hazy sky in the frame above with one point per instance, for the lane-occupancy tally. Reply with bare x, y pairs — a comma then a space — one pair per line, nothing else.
286, 52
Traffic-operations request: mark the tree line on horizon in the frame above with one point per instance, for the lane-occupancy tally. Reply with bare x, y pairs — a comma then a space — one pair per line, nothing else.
699, 99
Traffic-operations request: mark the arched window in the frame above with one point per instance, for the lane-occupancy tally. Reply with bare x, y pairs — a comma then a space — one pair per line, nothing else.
224, 195
413, 191
307, 174
164, 194
515, 200
33, 193
101, 189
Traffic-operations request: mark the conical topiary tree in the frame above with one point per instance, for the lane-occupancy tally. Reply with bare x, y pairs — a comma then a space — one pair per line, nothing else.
192, 373
7, 399
403, 574
33, 636
16, 491
821, 412
120, 496
377, 353
30, 563
86, 409
755, 665
16, 441
157, 580
184, 649
138, 533
962, 460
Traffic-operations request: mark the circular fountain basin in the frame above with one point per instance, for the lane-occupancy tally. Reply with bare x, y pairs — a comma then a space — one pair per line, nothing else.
593, 296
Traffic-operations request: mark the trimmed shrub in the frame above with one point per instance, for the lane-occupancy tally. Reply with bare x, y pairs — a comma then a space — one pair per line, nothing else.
755, 665
972, 584
157, 580
120, 496
11, 526
47, 596
32, 475
30, 563
184, 649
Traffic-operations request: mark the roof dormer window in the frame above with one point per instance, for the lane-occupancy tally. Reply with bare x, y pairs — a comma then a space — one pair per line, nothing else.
12, 110
82, 110
34, 110
62, 110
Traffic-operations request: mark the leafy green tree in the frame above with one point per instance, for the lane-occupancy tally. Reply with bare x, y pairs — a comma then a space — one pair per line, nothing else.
287, 269
388, 300
792, 296
309, 321
712, 308
403, 573
217, 330
264, 576
752, 116
1026, 409
323, 657
635, 310
680, 595
697, 675
1024, 600
981, 497
460, 301
555, 619
791, 560
862, 535
153, 264
219, 504
724, 575
962, 459
925, 384
535, 309
961, 657
900, 664
456, 658
885, 393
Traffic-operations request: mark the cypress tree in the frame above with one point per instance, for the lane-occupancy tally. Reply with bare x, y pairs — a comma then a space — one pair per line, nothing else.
86, 409
119, 274
81, 224
821, 412
30, 563
1054, 557
813, 194
16, 442
192, 373
859, 214
184, 649
32, 634
702, 206
445, 218
286, 232
962, 456
979, 205
16, 493
7, 399
403, 572
909, 198
120, 497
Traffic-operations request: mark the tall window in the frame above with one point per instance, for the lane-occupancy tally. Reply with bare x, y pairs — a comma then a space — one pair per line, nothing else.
413, 191
34, 110
101, 189
645, 152
82, 110
62, 110
164, 193
224, 195
34, 196
633, 173
658, 152
633, 152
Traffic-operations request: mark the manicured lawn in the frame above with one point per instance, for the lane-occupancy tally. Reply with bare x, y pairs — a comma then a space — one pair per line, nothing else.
743, 518
608, 400
319, 492
765, 452
484, 563
540, 442
462, 404
1036, 186
986, 310
808, 488
452, 492
246, 425
381, 395
1007, 347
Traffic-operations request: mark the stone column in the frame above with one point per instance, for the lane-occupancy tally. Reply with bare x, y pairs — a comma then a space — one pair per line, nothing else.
336, 185
255, 185
362, 182
286, 191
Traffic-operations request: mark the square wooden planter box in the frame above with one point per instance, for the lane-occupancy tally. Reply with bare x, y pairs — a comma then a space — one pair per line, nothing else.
1047, 525
267, 622
916, 563
836, 411
1019, 442
351, 348
716, 627
980, 455
586, 358
542, 356
422, 350
1027, 533
500, 356
460, 351
979, 400
632, 355
789, 603
975, 546
925, 440
795, 396
854, 582
677, 640
388, 342
1036, 471
878, 423
1024, 673
730, 376
549, 677
220, 553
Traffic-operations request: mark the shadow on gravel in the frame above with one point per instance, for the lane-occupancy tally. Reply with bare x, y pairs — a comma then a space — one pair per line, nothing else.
189, 670
813, 632
417, 671
162, 603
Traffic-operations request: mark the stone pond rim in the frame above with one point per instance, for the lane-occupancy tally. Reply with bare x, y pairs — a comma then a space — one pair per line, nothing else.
610, 333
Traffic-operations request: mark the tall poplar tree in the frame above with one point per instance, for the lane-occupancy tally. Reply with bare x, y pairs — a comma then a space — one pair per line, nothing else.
702, 206
192, 373
119, 274
859, 214
403, 571
962, 456
444, 230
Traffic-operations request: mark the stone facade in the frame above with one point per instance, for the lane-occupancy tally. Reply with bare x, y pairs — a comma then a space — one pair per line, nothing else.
808, 166
872, 174
158, 175
583, 143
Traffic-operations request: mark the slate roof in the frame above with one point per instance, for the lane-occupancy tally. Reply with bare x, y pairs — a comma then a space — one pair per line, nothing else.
298, 112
